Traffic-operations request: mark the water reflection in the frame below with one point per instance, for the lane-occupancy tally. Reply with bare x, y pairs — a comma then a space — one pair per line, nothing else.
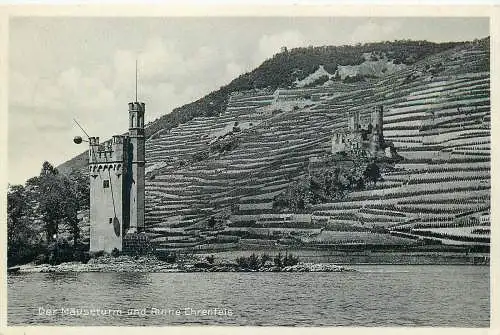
130, 279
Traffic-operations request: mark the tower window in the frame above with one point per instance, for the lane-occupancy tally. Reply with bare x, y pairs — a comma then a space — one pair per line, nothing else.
105, 183
110, 220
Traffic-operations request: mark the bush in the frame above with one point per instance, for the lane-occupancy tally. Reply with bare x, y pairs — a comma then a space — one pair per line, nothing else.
84, 257
96, 254
166, 256
81, 253
264, 258
41, 259
115, 252
251, 262
60, 251
23, 252
242, 262
290, 260
278, 260
210, 259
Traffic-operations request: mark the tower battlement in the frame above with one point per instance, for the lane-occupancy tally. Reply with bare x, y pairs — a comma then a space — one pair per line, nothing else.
118, 139
108, 152
136, 106
93, 141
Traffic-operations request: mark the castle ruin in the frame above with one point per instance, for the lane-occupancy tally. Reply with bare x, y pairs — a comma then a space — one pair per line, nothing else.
361, 133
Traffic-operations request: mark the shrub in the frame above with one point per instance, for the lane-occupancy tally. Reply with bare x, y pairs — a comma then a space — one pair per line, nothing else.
264, 258
115, 252
41, 259
290, 260
81, 253
210, 259
166, 256
96, 254
242, 262
253, 262
278, 260
60, 251
84, 257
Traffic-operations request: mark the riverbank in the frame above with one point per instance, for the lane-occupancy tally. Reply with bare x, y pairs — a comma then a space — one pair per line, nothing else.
421, 257
151, 264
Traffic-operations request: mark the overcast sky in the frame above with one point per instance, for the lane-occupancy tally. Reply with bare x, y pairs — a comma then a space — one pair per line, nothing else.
84, 68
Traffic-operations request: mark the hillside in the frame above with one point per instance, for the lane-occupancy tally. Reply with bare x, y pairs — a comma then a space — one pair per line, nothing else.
212, 181
284, 70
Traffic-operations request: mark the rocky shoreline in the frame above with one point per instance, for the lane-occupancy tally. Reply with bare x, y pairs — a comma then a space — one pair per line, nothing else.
151, 264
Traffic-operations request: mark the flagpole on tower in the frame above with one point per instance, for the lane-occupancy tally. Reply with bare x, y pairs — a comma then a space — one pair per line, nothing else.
136, 79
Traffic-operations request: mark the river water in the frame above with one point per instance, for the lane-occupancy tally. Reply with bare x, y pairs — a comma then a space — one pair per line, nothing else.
375, 295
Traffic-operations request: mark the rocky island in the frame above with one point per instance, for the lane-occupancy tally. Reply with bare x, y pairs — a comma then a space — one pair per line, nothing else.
107, 263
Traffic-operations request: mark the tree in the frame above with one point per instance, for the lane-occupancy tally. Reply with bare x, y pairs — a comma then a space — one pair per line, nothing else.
297, 197
23, 241
48, 169
58, 201
81, 187
211, 222
16, 203
372, 172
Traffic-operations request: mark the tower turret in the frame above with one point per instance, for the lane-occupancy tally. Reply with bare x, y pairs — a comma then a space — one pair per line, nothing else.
94, 148
136, 161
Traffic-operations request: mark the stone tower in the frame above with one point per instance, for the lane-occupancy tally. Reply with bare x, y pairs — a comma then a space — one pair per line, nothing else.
136, 164
117, 185
352, 121
378, 120
108, 203
377, 135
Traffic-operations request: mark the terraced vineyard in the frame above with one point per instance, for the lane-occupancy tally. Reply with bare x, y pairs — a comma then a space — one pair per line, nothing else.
437, 114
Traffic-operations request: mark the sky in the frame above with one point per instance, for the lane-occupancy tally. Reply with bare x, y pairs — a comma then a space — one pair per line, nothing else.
63, 68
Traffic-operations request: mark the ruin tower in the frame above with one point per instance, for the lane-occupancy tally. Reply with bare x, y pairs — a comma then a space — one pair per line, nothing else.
136, 162
338, 142
377, 132
378, 120
107, 167
353, 121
